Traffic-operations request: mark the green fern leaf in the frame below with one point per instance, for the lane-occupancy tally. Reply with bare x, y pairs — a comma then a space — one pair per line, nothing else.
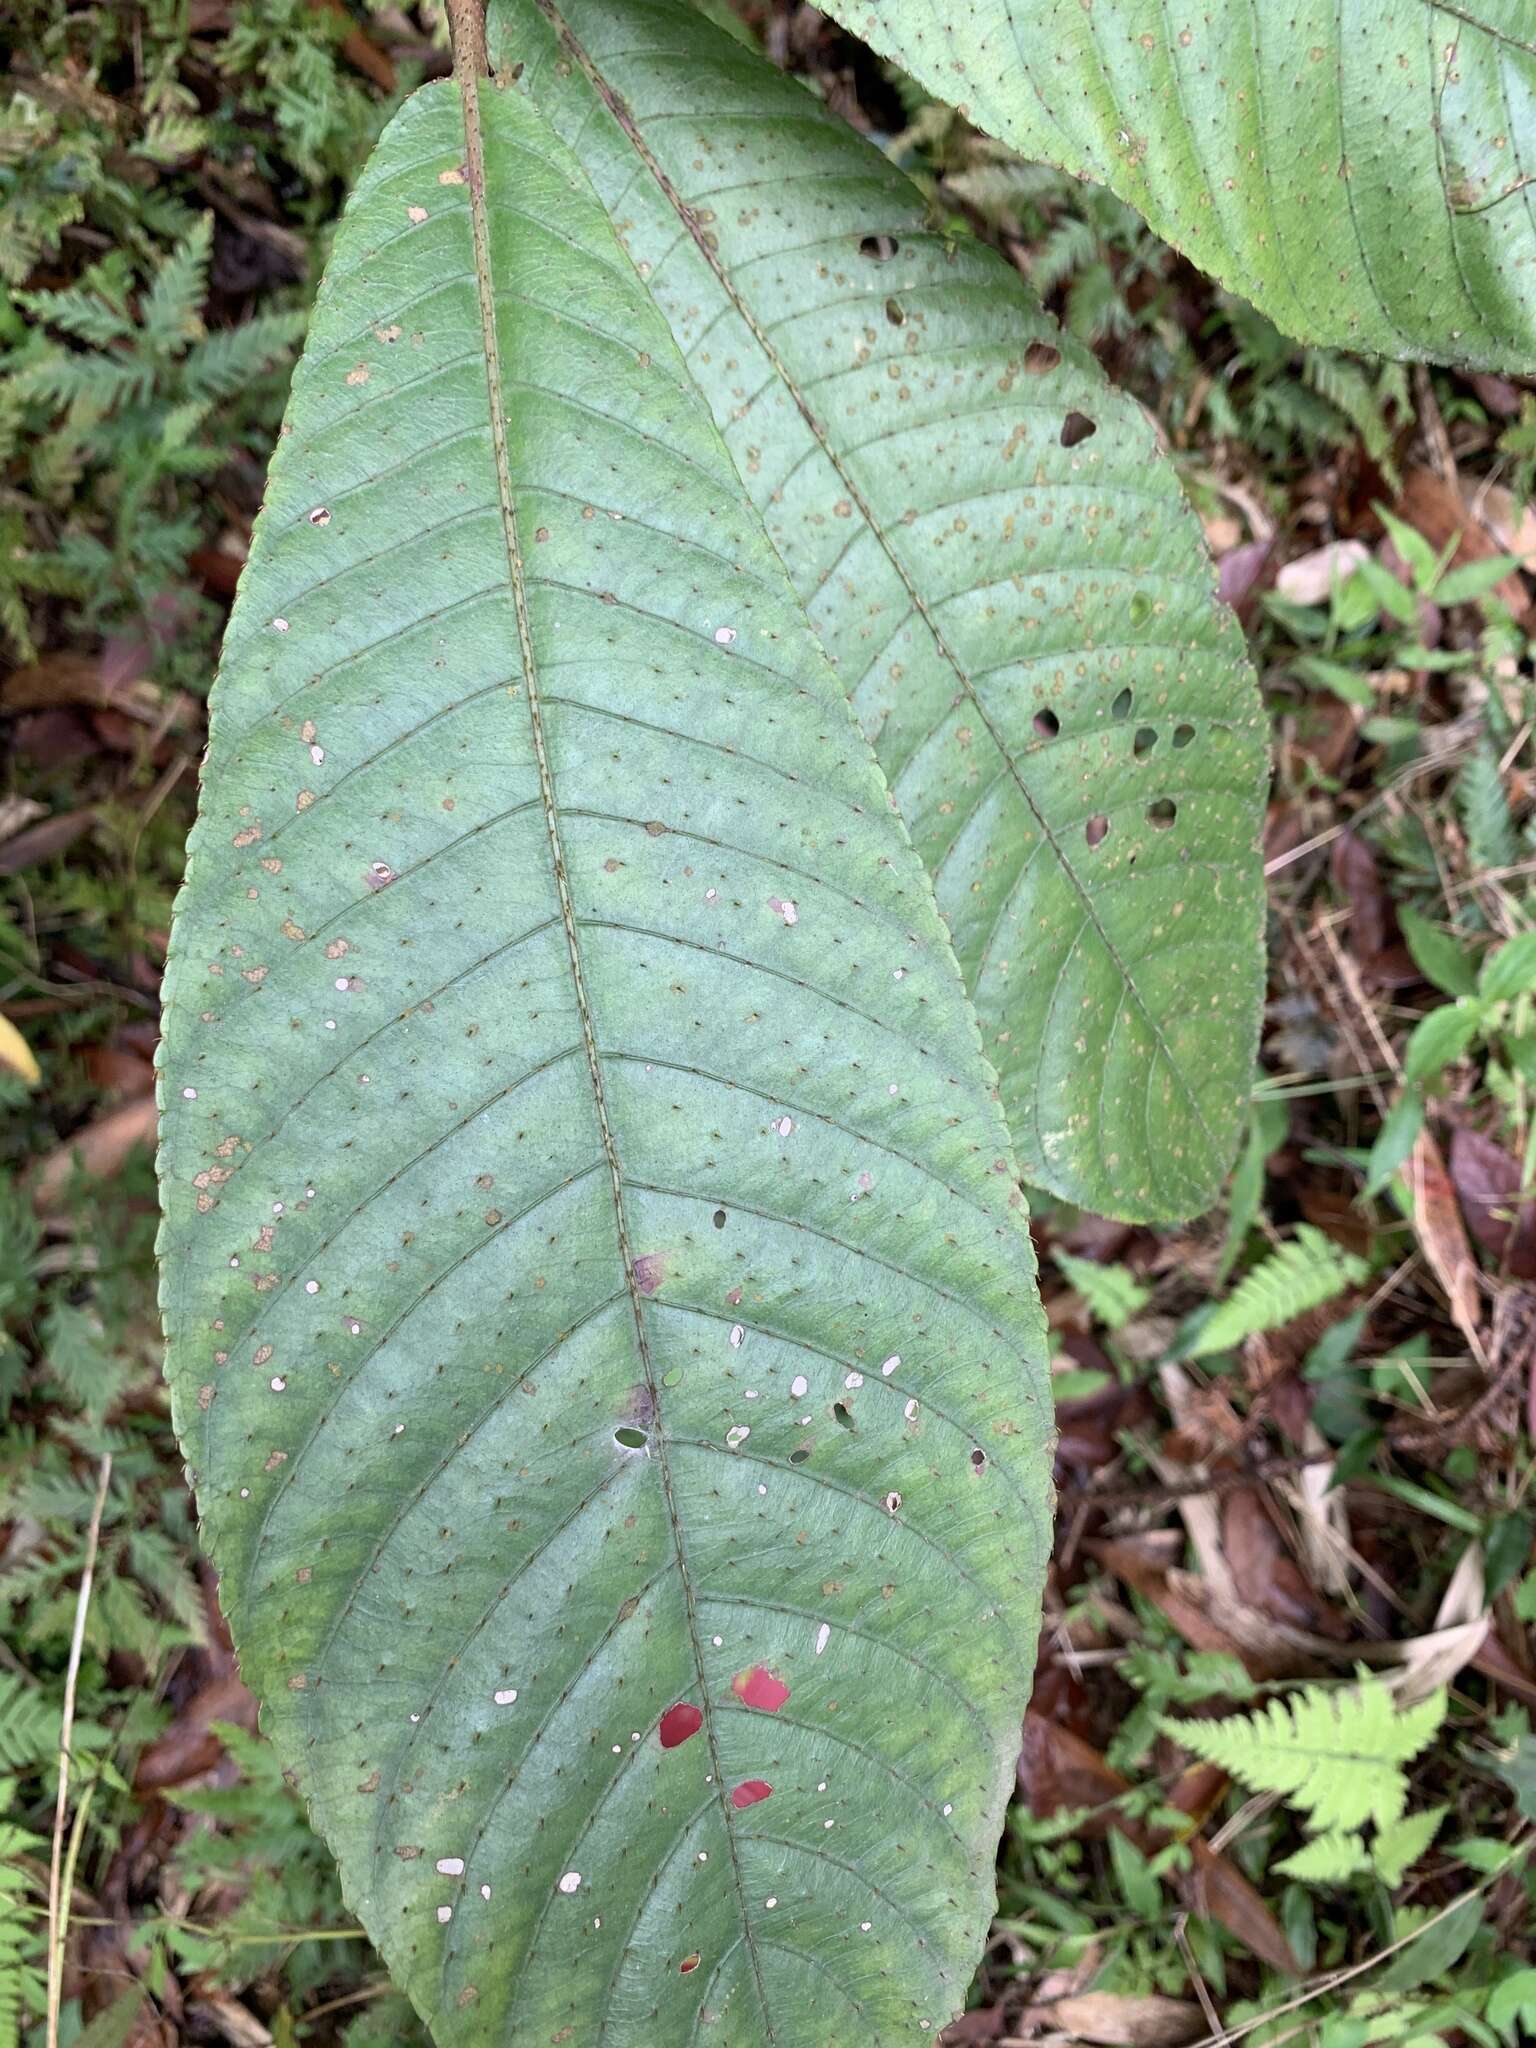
1485, 812
1335, 1754
1397, 1848
169, 315
1113, 1295
1303, 1274
29, 1725
1328, 1858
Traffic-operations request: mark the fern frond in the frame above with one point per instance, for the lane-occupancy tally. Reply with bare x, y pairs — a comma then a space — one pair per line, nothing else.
169, 313
1112, 1293
1348, 390
1303, 1274
1398, 1847
1485, 811
29, 1725
1328, 1858
1335, 1754
231, 357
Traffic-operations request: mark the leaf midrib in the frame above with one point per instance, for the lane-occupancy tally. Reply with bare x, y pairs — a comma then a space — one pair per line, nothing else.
465, 70
614, 102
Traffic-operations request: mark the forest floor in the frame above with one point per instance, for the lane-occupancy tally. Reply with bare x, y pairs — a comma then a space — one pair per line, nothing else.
1335, 1491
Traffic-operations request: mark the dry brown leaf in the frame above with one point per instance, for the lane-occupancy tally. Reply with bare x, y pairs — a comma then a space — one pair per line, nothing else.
1443, 1237
1059, 1769
43, 840
1310, 579
1512, 524
228, 2018
101, 1147
1487, 1179
1436, 509
1121, 2020
1207, 1621
1422, 1664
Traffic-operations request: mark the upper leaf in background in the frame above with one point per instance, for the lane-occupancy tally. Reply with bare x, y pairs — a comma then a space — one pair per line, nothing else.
601, 1323
1001, 566
1364, 171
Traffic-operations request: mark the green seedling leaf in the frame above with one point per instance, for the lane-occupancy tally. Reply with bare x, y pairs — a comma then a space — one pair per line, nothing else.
1394, 598
1510, 970
1439, 1038
998, 560
1444, 1941
1439, 957
570, 1104
1511, 2006
1353, 179
1424, 565
1394, 1141
1475, 579
1268, 1122
1518, 1770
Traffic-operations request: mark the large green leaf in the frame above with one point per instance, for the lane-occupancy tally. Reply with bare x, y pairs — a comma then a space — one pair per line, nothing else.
1028, 630
601, 1321
1363, 170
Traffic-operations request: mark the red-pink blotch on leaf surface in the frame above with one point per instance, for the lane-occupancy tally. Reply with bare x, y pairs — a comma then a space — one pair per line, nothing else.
749, 1792
759, 1688
678, 1723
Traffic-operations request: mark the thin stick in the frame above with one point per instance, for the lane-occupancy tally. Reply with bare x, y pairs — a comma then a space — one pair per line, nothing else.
466, 32
58, 1903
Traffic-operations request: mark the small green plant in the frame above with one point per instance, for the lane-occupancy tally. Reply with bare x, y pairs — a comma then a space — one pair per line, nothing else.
1336, 1755
115, 387
1301, 1274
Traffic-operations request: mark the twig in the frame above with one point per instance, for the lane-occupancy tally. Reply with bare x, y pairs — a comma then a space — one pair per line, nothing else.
466, 29
58, 1902
1335, 1978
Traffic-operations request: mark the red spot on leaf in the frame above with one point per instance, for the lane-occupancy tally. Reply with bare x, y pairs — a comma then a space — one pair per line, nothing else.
650, 1271
678, 1723
759, 1688
749, 1792
690, 1963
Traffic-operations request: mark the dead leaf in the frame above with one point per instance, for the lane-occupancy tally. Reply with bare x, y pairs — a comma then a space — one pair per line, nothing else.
1443, 1238
1512, 524
102, 1149
189, 1746
1488, 1181
974, 2029
1310, 579
1058, 1769
1122, 2020
115, 1071
1422, 1664
44, 840
230, 2020
16, 1054
16, 811
1437, 510
1357, 879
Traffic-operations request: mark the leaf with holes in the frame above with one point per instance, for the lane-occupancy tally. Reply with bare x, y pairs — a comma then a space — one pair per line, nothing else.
999, 562
1363, 170
601, 1320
